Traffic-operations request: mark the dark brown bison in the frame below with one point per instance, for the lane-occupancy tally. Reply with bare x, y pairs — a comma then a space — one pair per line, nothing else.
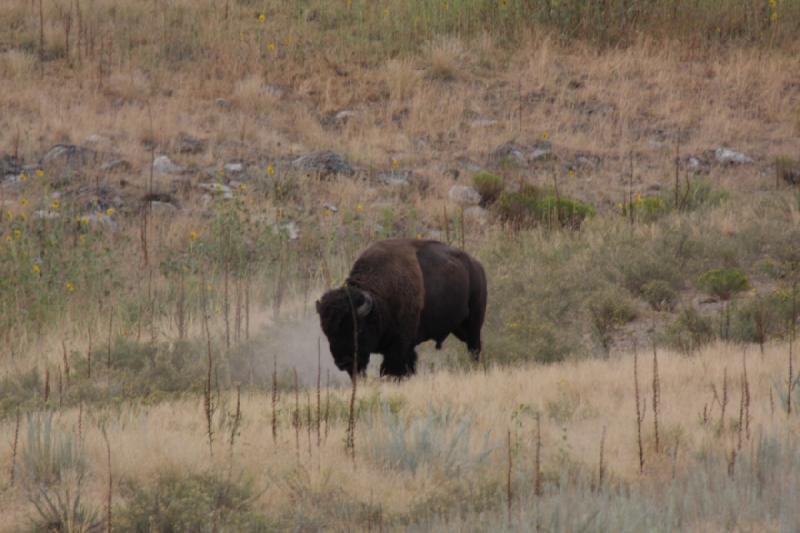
403, 292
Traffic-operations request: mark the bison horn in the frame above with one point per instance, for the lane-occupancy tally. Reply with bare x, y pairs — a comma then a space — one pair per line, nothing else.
364, 309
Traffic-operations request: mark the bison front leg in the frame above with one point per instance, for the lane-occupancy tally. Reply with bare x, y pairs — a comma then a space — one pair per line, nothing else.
399, 362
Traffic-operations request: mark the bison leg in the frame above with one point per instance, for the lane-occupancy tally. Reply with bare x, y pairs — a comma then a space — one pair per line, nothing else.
471, 336
399, 363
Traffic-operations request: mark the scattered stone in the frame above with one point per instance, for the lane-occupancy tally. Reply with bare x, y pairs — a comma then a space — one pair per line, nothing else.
222, 103
164, 165
395, 178
117, 166
331, 207
163, 208
464, 195
508, 154
190, 145
46, 214
69, 155
218, 189
323, 163
694, 162
727, 156
291, 230
542, 151
482, 122
10, 166
587, 161
234, 168
274, 91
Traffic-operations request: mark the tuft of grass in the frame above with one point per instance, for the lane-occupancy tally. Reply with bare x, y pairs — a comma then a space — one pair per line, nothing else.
689, 332
723, 283
489, 186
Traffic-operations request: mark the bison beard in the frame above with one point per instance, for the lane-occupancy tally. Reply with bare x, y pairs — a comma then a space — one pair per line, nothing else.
404, 292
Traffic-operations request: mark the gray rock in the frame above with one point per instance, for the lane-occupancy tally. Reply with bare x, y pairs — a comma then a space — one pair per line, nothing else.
482, 123
464, 195
274, 91
330, 207
164, 165
323, 163
190, 145
222, 103
217, 189
163, 208
46, 214
291, 229
234, 168
727, 156
117, 165
542, 151
395, 178
587, 161
10, 165
69, 155
508, 154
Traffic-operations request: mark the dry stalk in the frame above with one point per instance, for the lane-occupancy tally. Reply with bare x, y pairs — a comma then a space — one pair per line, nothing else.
308, 421
89, 355
601, 469
732, 462
677, 170
656, 396
14, 449
80, 418
675, 455
740, 427
60, 389
66, 362
226, 306
208, 403
746, 395
237, 415
274, 400
319, 392
509, 494
296, 416
771, 403
639, 413
247, 309
110, 481
327, 401
724, 402
537, 490
110, 327
46, 385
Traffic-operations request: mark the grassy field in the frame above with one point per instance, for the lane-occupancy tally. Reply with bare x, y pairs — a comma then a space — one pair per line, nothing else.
625, 171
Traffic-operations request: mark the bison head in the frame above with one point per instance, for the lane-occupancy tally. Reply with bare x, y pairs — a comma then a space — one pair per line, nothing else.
336, 309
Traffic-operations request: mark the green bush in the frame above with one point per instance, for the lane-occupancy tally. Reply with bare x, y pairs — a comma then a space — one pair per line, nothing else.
190, 502
608, 310
723, 283
660, 295
694, 195
646, 208
689, 332
489, 186
529, 207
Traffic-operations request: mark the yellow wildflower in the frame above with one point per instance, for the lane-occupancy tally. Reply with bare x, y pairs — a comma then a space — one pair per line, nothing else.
23, 217
81, 239
545, 136
55, 205
193, 236
37, 269
69, 286
23, 177
571, 173
386, 12
23, 202
359, 208
40, 173
8, 238
395, 164
10, 216
262, 18
271, 47
270, 169
110, 211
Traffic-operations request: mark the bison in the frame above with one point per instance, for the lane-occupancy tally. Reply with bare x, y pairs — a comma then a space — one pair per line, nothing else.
403, 292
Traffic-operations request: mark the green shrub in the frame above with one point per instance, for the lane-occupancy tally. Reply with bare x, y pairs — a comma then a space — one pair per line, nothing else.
723, 283
529, 207
689, 331
660, 295
694, 195
646, 208
190, 502
609, 310
489, 186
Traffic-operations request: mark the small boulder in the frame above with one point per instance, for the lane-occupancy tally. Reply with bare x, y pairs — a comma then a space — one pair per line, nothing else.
395, 178
726, 156
542, 151
222, 103
190, 145
464, 195
508, 154
163, 208
69, 155
323, 163
117, 166
291, 229
164, 165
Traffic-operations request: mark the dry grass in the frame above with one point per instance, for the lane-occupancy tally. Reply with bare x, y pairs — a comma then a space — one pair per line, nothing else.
577, 400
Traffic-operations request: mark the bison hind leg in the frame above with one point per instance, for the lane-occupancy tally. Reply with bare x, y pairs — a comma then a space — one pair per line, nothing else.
438, 345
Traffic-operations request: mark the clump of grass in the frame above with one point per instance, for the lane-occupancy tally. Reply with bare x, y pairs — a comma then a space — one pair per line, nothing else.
660, 295
438, 439
610, 309
489, 186
190, 502
530, 206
